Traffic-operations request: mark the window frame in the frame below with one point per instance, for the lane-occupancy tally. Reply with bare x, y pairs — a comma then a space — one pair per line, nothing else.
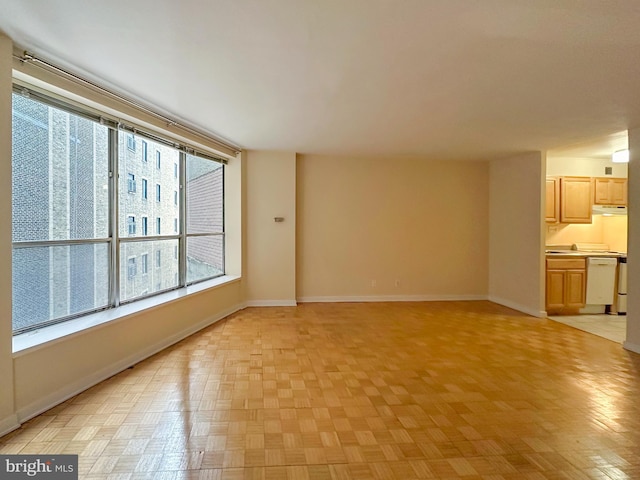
144, 151
132, 267
114, 238
131, 225
145, 188
144, 263
131, 183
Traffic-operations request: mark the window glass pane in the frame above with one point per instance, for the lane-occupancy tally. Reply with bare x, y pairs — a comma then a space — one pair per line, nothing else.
132, 167
58, 281
205, 258
138, 277
60, 170
204, 196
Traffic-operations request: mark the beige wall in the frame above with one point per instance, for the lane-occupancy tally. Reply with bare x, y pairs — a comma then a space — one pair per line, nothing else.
615, 232
420, 223
7, 416
584, 167
609, 230
53, 372
516, 252
271, 246
234, 205
569, 233
633, 279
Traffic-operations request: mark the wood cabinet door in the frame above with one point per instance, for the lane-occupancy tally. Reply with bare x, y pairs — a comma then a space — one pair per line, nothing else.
602, 194
610, 191
618, 191
575, 288
576, 197
555, 289
552, 205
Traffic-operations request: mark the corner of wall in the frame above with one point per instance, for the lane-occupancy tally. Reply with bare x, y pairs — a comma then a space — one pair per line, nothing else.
7, 413
516, 228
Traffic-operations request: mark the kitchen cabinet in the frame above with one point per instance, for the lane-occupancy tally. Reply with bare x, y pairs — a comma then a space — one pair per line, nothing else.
610, 191
552, 205
576, 198
565, 284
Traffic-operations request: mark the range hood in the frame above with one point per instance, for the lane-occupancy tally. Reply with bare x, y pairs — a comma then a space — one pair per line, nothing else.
609, 210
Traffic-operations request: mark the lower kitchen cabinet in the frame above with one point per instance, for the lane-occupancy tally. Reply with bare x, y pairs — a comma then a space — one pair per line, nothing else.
566, 284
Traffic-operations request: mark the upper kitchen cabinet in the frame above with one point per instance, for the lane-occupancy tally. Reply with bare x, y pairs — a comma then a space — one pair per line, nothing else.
576, 197
552, 205
610, 191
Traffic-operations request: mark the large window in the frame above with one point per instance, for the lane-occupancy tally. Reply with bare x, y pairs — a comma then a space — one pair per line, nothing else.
205, 219
72, 254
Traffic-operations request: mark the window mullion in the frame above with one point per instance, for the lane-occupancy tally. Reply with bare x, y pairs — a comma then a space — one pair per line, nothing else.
114, 266
182, 209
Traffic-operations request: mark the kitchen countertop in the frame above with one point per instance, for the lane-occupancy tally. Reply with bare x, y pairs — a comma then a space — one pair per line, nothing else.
580, 254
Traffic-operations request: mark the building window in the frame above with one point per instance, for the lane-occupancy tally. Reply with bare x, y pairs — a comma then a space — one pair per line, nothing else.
144, 263
131, 183
131, 225
131, 267
75, 242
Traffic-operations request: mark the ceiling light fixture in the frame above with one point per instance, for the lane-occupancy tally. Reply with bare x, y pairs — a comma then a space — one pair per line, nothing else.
621, 156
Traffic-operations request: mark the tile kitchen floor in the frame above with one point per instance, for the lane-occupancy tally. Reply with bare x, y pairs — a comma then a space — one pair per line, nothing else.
611, 327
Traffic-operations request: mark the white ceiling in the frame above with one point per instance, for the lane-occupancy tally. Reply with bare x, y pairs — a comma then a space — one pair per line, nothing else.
444, 79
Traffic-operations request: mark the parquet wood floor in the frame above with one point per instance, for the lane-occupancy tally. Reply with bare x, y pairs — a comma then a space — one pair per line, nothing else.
442, 390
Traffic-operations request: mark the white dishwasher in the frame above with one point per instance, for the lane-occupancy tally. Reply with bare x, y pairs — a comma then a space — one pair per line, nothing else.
601, 280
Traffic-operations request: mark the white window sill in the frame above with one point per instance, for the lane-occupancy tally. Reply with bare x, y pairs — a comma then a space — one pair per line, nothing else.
45, 336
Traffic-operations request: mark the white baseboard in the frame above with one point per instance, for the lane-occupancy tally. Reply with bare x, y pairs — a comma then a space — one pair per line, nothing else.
9, 424
42, 405
391, 298
517, 306
632, 347
271, 303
